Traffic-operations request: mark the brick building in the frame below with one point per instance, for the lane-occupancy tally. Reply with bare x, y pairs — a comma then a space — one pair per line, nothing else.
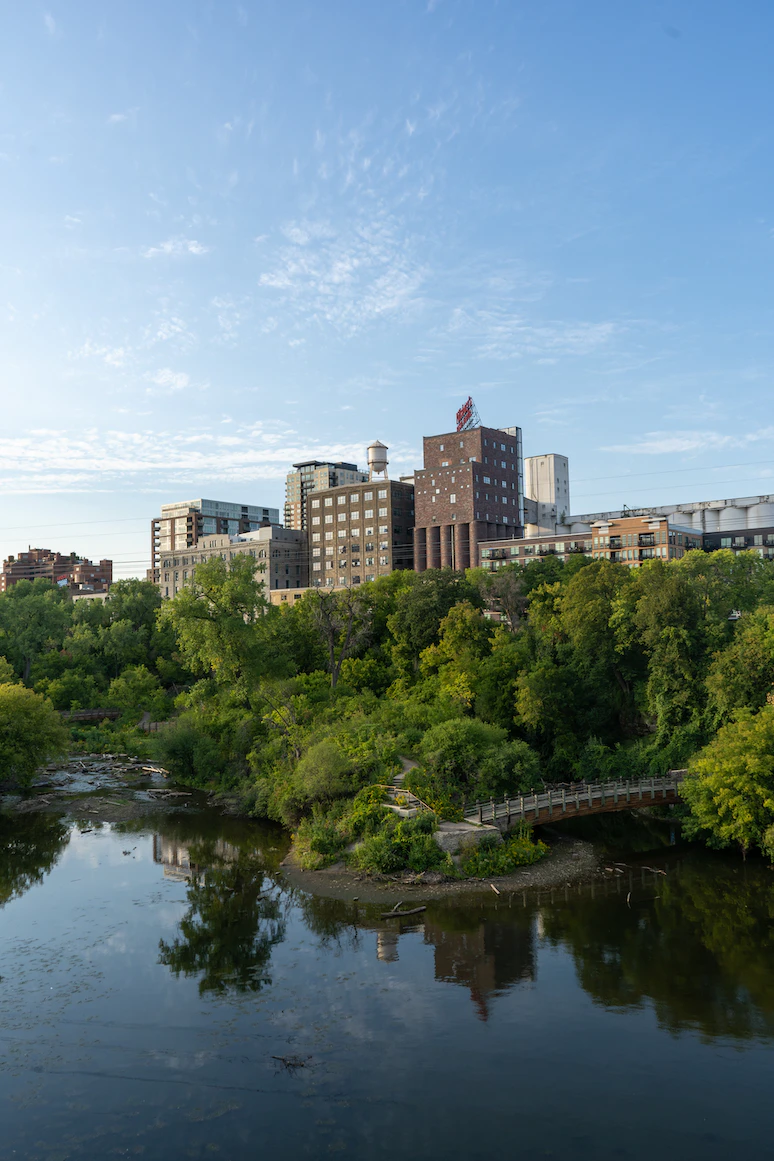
73, 572
471, 489
360, 532
282, 553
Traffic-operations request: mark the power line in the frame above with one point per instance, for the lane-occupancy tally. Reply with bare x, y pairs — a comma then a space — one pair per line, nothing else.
668, 488
672, 471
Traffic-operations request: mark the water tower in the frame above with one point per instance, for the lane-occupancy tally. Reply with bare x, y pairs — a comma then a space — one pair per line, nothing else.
377, 459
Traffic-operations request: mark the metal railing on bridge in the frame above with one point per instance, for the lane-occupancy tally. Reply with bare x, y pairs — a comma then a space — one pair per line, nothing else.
578, 798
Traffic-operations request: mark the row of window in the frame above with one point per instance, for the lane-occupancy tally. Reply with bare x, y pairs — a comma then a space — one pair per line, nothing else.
354, 498
368, 514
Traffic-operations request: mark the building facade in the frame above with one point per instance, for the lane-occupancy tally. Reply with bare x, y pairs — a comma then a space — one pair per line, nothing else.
470, 490
281, 554
72, 572
359, 532
496, 554
315, 476
181, 526
634, 539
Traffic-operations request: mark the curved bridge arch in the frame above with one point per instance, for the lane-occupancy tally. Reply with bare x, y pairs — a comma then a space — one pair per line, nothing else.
575, 801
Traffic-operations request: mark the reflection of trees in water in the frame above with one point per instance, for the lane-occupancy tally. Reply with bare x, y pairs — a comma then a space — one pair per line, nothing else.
234, 920
29, 846
701, 952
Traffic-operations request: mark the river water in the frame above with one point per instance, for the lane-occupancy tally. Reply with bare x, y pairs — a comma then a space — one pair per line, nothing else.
165, 994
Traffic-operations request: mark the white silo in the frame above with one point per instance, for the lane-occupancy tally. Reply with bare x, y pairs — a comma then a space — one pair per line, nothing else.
377, 459
681, 518
711, 519
732, 519
697, 521
760, 515
578, 528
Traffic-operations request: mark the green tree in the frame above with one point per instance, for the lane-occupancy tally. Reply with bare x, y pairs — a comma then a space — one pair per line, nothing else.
742, 674
218, 621
29, 847
419, 610
31, 732
138, 691
731, 787
34, 617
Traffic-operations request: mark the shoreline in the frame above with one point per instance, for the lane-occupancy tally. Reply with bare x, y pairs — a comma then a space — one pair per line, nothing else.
568, 862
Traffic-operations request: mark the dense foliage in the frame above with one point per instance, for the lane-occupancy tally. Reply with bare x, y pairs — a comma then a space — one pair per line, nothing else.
588, 670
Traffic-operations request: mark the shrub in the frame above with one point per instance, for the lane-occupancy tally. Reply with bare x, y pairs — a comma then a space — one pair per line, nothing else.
491, 858
31, 732
188, 753
401, 844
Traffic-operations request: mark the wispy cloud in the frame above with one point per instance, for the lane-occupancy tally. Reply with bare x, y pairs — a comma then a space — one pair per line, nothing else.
71, 222
112, 356
169, 380
346, 277
176, 248
50, 24
120, 118
656, 443
47, 462
496, 333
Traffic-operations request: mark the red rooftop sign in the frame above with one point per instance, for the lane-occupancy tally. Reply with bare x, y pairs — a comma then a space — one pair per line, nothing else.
465, 414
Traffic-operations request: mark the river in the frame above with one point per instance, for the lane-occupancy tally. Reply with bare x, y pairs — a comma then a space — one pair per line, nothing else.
166, 994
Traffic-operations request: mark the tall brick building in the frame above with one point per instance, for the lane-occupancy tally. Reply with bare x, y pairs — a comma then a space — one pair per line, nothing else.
470, 489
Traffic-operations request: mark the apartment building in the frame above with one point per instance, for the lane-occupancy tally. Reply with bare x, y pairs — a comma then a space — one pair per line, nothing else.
181, 526
470, 490
496, 554
281, 554
634, 539
315, 476
75, 573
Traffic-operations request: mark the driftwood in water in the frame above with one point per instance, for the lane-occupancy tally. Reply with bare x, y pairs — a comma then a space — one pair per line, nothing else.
399, 914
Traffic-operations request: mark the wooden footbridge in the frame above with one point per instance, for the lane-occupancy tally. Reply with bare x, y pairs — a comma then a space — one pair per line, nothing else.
556, 803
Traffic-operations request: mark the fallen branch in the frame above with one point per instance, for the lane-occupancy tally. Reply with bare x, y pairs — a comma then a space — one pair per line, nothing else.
400, 914
494, 888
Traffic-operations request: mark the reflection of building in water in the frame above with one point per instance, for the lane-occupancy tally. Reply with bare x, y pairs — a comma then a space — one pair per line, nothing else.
487, 959
175, 857
387, 946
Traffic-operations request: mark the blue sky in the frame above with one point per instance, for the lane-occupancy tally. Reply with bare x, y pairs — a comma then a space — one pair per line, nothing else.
236, 235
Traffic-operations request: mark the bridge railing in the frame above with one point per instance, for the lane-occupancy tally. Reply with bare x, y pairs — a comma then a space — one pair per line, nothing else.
573, 798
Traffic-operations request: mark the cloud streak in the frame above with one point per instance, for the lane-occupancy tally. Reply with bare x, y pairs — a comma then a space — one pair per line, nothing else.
176, 248
657, 443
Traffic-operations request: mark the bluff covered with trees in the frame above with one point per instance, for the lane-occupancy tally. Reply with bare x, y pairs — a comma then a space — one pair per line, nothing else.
590, 671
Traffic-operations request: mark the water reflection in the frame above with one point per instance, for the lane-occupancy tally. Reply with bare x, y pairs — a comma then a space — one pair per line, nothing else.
235, 914
29, 848
699, 947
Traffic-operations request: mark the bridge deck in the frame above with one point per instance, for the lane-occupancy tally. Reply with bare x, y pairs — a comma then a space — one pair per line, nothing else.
582, 798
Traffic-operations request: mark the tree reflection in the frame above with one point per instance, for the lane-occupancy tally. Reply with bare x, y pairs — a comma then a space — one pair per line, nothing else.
29, 847
700, 951
234, 920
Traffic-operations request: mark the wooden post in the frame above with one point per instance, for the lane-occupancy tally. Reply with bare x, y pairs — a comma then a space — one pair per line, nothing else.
508, 809
521, 806
615, 793
492, 805
564, 800
535, 808
591, 800
480, 813
628, 791
550, 805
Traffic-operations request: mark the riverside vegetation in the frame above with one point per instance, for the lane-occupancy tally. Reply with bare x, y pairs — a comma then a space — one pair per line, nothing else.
302, 713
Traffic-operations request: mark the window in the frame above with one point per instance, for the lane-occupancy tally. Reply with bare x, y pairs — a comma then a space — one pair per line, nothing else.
462, 443
444, 463
356, 562
382, 512
342, 516
166, 576
503, 464
315, 536
384, 560
382, 494
355, 531
369, 560
487, 479
329, 536
315, 520
453, 498
502, 448
315, 552
329, 518
342, 580
441, 447
370, 577
315, 503
316, 565
329, 501
341, 532
343, 499
368, 531
354, 498
505, 499
385, 528
368, 495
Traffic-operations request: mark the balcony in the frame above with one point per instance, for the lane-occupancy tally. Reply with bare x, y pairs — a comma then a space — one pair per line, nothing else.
646, 540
